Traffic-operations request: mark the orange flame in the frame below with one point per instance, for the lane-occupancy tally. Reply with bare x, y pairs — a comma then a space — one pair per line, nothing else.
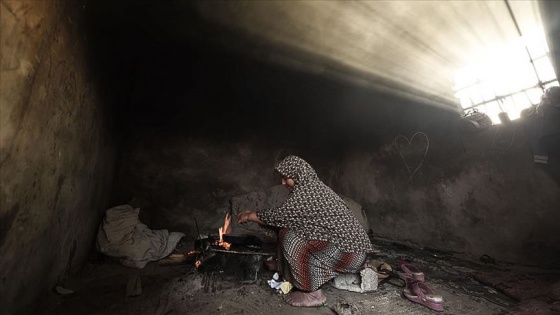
227, 221
225, 230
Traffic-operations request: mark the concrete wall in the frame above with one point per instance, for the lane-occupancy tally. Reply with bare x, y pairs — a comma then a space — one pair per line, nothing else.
550, 11
477, 193
56, 149
216, 126
201, 125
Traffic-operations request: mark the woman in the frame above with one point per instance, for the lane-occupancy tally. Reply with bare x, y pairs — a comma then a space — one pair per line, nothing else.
319, 236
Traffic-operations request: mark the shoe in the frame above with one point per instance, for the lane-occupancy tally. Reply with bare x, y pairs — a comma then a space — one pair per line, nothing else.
420, 293
410, 272
383, 269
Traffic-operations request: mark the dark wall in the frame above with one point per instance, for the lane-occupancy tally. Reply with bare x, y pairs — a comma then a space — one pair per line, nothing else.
550, 12
217, 123
199, 120
57, 149
488, 198
203, 122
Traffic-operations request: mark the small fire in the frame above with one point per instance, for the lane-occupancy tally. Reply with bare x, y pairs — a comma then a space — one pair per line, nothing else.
209, 254
225, 230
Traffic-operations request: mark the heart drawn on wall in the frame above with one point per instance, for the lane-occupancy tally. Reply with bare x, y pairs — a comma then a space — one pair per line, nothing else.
413, 154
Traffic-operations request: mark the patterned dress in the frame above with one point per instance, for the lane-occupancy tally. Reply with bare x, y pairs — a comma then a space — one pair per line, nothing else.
319, 236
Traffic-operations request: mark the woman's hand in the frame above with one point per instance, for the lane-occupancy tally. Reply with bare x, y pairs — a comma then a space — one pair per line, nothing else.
244, 216
248, 216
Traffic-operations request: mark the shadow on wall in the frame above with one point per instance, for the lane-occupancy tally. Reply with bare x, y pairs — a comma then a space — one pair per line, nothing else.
57, 149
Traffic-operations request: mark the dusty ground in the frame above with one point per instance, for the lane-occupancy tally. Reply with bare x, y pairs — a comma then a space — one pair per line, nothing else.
101, 289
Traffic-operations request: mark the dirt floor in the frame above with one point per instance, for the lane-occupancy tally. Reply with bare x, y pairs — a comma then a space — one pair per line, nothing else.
101, 288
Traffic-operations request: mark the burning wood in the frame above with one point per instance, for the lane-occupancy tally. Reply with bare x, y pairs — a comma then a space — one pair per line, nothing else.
203, 259
208, 253
222, 244
225, 230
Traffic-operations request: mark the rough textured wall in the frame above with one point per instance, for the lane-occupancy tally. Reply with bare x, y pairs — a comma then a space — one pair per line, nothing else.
56, 153
178, 179
208, 115
479, 193
215, 127
550, 11
217, 124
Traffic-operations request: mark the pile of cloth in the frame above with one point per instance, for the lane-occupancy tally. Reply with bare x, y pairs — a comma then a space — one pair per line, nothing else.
122, 236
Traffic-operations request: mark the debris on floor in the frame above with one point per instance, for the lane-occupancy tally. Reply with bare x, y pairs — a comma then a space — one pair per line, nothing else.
63, 291
280, 285
133, 286
342, 308
183, 289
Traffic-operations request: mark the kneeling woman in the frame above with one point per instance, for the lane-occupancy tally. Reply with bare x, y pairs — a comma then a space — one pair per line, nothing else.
319, 236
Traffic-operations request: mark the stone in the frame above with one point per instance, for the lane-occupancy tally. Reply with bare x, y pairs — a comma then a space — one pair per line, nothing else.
364, 281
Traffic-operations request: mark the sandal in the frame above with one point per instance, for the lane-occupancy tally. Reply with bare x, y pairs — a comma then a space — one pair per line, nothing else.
410, 272
385, 274
383, 269
420, 293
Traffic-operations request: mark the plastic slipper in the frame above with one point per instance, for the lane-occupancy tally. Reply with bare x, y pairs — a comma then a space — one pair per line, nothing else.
420, 293
383, 269
410, 272
385, 273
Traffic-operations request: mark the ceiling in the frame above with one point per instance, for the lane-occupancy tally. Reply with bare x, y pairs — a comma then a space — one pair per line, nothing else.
411, 48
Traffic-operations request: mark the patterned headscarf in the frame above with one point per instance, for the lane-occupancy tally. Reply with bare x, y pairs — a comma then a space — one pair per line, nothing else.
297, 169
314, 211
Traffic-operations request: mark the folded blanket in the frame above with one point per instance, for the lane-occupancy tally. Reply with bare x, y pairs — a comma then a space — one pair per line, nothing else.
121, 235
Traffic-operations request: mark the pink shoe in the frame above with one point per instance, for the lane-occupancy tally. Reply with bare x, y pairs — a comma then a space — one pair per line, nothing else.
420, 293
410, 272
